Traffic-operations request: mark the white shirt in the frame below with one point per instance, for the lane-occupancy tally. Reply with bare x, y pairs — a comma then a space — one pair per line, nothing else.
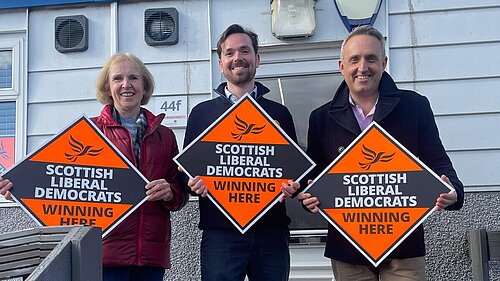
232, 97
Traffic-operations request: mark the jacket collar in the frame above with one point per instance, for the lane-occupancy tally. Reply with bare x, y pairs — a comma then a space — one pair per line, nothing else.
340, 110
261, 90
106, 118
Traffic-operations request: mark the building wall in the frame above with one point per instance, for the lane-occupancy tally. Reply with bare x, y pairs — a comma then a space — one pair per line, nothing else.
446, 242
439, 48
180, 70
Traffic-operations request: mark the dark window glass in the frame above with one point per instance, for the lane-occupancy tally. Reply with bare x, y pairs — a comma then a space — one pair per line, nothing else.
7, 118
303, 94
5, 69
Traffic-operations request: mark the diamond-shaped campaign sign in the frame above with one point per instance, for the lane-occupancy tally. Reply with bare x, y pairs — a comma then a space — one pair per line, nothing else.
243, 158
77, 178
376, 193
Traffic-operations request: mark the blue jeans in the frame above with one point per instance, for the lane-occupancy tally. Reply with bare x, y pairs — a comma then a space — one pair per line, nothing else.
133, 273
262, 255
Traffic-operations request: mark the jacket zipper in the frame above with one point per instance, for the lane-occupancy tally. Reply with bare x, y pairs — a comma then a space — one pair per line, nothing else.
141, 213
142, 155
141, 209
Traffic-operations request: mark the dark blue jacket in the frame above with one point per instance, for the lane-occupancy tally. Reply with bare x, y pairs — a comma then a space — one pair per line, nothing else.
408, 117
200, 118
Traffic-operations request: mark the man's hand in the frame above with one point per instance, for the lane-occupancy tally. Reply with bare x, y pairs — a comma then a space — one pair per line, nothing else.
446, 199
309, 201
198, 186
289, 189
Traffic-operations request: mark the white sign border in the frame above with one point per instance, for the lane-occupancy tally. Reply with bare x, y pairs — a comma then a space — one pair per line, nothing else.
410, 231
81, 117
270, 120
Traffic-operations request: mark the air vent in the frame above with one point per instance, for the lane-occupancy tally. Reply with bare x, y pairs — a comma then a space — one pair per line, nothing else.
161, 26
71, 34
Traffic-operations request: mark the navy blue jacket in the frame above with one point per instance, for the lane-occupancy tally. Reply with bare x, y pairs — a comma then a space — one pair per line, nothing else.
200, 118
408, 117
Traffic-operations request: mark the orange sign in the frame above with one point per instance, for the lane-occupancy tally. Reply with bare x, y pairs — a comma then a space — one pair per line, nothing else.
77, 178
243, 158
376, 193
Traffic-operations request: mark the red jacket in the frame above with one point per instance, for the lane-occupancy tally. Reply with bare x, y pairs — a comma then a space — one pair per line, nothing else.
143, 238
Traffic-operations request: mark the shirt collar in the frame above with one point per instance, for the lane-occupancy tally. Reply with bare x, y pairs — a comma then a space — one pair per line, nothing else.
353, 104
253, 93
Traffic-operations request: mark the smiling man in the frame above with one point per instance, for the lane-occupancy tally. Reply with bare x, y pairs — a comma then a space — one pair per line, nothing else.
262, 252
369, 94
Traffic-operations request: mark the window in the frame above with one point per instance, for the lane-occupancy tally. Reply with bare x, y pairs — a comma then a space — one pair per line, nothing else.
5, 69
7, 134
11, 102
301, 95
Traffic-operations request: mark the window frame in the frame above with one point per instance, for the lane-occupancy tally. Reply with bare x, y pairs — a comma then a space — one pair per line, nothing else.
15, 42
317, 228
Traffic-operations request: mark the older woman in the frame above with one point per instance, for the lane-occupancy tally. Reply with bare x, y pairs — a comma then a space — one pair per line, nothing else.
139, 247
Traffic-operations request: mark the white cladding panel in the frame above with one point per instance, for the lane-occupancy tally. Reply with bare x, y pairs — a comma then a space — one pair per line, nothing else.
470, 132
65, 85
62, 85
13, 20
473, 145
444, 62
193, 31
478, 170
42, 53
456, 26
299, 61
49, 119
297, 68
459, 96
181, 77
443, 51
329, 26
396, 6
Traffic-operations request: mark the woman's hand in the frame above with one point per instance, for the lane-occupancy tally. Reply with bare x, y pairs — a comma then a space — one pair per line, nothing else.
159, 190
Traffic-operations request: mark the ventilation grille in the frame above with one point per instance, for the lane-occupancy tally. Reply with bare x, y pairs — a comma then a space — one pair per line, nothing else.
71, 33
161, 26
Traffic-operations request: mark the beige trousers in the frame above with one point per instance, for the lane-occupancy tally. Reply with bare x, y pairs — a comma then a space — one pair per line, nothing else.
412, 269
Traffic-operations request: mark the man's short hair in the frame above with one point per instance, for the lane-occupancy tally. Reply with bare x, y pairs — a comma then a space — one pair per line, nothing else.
236, 28
365, 30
